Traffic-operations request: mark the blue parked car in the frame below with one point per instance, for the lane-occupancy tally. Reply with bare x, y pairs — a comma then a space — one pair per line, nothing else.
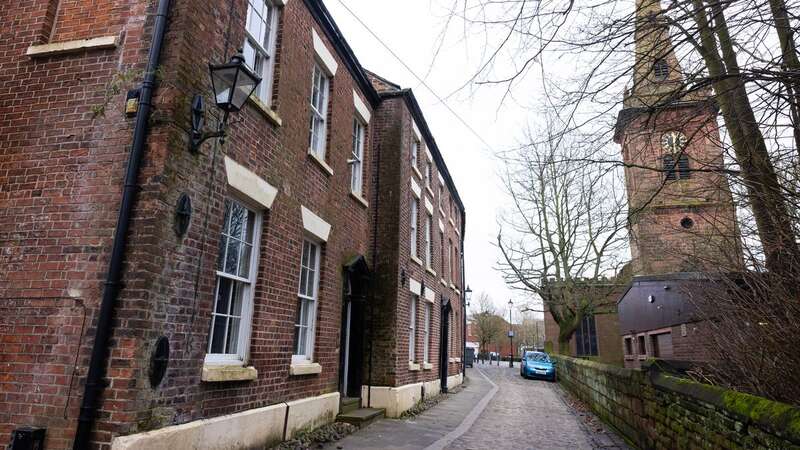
538, 365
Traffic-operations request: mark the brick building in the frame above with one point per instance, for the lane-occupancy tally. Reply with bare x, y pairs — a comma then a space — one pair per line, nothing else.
684, 234
293, 285
597, 334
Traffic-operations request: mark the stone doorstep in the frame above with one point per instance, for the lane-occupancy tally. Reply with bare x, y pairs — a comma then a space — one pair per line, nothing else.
349, 404
361, 417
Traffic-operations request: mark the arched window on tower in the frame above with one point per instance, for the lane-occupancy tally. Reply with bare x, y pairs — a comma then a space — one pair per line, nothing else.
683, 168
673, 171
660, 70
668, 167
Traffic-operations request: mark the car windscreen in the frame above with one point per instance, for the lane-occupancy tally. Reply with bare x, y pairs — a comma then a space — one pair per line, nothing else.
538, 357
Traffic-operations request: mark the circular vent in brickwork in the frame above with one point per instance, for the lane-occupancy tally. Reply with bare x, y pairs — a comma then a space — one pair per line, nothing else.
159, 360
687, 223
183, 215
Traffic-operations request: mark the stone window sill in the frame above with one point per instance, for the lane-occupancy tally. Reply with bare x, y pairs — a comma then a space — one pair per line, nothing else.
321, 162
304, 369
60, 48
413, 367
219, 373
430, 271
452, 360
359, 199
444, 283
265, 111
427, 366
416, 260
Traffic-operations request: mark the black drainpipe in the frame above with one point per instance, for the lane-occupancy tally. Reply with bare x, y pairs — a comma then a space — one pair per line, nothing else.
95, 382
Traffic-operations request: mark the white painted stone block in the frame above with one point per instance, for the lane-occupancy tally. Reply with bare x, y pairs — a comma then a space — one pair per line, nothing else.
255, 428
311, 412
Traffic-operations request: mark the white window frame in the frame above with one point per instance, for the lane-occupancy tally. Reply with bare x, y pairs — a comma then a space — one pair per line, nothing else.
428, 174
428, 241
320, 90
357, 157
450, 259
415, 145
311, 302
413, 244
441, 195
249, 284
444, 257
264, 50
412, 329
426, 343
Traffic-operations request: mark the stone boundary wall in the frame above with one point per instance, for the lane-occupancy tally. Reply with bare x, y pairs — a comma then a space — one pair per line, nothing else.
655, 410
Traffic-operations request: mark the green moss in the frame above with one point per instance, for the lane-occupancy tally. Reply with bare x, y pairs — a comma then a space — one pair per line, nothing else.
779, 416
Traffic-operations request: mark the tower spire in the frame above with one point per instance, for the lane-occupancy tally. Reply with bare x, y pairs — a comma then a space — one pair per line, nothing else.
657, 75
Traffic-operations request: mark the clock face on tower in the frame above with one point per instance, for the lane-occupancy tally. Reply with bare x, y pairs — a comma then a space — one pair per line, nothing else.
673, 141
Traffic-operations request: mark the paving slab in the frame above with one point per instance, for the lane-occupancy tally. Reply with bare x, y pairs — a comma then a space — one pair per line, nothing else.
496, 410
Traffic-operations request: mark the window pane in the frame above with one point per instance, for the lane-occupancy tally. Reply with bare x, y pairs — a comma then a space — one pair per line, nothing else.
223, 244
238, 214
232, 257
218, 334
223, 295
232, 345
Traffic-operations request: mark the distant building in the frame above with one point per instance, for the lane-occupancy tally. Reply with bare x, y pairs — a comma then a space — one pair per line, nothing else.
682, 215
597, 336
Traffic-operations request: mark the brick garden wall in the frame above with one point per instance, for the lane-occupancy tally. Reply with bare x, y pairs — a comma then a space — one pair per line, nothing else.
654, 410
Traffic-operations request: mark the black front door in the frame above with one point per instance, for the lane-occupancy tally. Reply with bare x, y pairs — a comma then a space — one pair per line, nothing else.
352, 348
351, 353
444, 343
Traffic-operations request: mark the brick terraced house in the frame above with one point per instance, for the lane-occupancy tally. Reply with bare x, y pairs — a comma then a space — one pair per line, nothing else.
156, 294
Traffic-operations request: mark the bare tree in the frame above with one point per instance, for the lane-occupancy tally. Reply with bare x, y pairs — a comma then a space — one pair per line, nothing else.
563, 239
741, 54
487, 325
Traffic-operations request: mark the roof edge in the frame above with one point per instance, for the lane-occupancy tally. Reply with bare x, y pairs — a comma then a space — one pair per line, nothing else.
411, 101
325, 20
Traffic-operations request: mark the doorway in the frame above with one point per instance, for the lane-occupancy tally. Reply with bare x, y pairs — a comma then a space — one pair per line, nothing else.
444, 343
351, 354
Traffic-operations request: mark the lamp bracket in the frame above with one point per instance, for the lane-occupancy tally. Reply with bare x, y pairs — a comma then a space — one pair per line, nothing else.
196, 135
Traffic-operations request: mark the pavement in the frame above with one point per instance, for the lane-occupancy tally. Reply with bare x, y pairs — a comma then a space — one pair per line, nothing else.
497, 409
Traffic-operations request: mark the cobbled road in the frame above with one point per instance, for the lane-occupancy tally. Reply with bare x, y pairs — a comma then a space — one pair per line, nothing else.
496, 410
530, 414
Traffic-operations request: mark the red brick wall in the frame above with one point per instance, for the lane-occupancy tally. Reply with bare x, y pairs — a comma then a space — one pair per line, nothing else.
658, 242
61, 170
696, 345
395, 134
74, 19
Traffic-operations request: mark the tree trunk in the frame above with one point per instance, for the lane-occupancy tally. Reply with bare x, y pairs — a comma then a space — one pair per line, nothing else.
765, 193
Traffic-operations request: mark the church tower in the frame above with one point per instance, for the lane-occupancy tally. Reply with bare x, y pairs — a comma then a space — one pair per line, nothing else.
682, 215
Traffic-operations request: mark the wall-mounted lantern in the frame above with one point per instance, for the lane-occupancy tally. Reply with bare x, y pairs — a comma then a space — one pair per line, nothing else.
232, 82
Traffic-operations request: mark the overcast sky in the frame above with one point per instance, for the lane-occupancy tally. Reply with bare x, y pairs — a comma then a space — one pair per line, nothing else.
412, 31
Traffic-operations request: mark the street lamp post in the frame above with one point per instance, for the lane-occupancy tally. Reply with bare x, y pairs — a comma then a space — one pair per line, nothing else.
467, 296
511, 333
